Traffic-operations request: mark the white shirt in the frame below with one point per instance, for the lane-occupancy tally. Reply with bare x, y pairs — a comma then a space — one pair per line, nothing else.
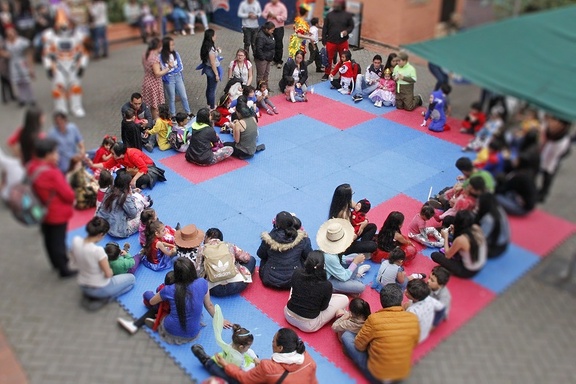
99, 11
314, 32
87, 257
425, 311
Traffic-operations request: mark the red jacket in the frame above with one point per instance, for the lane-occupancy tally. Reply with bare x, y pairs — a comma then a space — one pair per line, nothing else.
53, 190
268, 372
134, 158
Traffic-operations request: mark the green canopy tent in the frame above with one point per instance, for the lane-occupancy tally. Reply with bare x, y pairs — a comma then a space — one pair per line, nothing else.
532, 58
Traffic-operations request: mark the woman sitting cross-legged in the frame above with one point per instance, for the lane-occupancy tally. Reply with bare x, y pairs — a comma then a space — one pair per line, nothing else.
95, 277
186, 298
312, 303
282, 251
245, 133
205, 147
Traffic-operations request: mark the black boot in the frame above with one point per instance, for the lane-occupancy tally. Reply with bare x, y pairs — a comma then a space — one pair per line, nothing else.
200, 353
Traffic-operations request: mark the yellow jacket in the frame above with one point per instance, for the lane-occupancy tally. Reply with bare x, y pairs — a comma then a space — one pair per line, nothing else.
389, 336
162, 128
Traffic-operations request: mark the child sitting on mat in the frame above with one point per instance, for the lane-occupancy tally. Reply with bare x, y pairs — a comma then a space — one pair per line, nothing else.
439, 277
147, 216
417, 230
104, 182
121, 261
390, 237
154, 314
238, 352
392, 271
353, 319
157, 252
293, 93
422, 305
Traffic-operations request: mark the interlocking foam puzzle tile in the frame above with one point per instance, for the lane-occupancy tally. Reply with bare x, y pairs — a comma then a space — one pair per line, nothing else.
540, 232
394, 170
284, 108
80, 218
499, 273
336, 114
196, 173
437, 182
440, 153
414, 118
385, 133
299, 129
407, 205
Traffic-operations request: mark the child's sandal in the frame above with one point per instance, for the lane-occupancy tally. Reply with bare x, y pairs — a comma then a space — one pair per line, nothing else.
275, 110
269, 111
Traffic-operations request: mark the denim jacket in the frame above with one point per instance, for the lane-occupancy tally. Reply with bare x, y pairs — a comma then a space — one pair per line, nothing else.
174, 71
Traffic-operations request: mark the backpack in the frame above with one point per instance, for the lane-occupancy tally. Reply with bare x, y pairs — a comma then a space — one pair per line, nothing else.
219, 263
26, 207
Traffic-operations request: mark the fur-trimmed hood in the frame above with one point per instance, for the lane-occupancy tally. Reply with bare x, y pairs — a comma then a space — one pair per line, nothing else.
277, 240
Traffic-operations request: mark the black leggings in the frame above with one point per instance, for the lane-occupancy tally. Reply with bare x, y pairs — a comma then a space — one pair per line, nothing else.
454, 265
365, 243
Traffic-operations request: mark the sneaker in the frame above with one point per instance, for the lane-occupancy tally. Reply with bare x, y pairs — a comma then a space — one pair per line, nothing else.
418, 276
260, 147
279, 65
378, 103
344, 91
363, 269
149, 322
269, 111
200, 353
177, 227
68, 273
420, 100
325, 77
275, 110
127, 325
149, 147
357, 98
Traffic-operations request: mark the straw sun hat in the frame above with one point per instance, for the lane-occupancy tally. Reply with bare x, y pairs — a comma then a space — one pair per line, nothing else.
335, 236
188, 237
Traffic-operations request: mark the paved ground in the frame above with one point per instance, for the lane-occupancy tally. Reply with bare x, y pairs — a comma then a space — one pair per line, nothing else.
528, 335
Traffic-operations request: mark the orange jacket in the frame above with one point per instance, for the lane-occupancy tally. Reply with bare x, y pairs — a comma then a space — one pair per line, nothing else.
268, 372
389, 335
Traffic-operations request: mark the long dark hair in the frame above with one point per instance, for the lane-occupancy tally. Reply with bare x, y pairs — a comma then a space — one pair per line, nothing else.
150, 235
289, 341
314, 266
340, 200
488, 205
119, 191
286, 225
30, 131
152, 45
463, 222
165, 52
184, 275
207, 45
389, 228
391, 57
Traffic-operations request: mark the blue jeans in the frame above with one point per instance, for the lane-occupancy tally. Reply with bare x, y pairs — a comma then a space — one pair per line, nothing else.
353, 285
236, 287
211, 84
118, 285
358, 357
175, 86
440, 76
100, 41
362, 88
509, 201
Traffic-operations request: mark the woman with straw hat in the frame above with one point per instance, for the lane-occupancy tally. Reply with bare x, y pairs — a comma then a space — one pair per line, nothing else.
333, 238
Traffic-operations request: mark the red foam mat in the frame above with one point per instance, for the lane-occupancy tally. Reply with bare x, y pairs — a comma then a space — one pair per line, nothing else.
197, 174
414, 118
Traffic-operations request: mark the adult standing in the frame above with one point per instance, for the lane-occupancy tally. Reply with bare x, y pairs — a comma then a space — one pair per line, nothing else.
338, 25
289, 363
467, 253
204, 140
341, 207
333, 238
21, 142
141, 168
312, 304
283, 250
383, 347
152, 88
301, 32
276, 12
186, 298
405, 76
99, 14
121, 208
245, 134
264, 51
494, 223
57, 196
69, 139
210, 66
241, 68
173, 80
95, 277
295, 69
142, 117
20, 65
249, 11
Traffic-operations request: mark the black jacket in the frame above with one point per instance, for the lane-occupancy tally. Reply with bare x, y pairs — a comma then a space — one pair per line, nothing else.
200, 149
265, 46
288, 71
334, 23
131, 136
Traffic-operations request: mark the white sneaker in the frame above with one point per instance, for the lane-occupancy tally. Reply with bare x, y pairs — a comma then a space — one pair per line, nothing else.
378, 103
127, 325
363, 269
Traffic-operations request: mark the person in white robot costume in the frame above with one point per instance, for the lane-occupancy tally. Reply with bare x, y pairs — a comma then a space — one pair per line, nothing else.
65, 58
